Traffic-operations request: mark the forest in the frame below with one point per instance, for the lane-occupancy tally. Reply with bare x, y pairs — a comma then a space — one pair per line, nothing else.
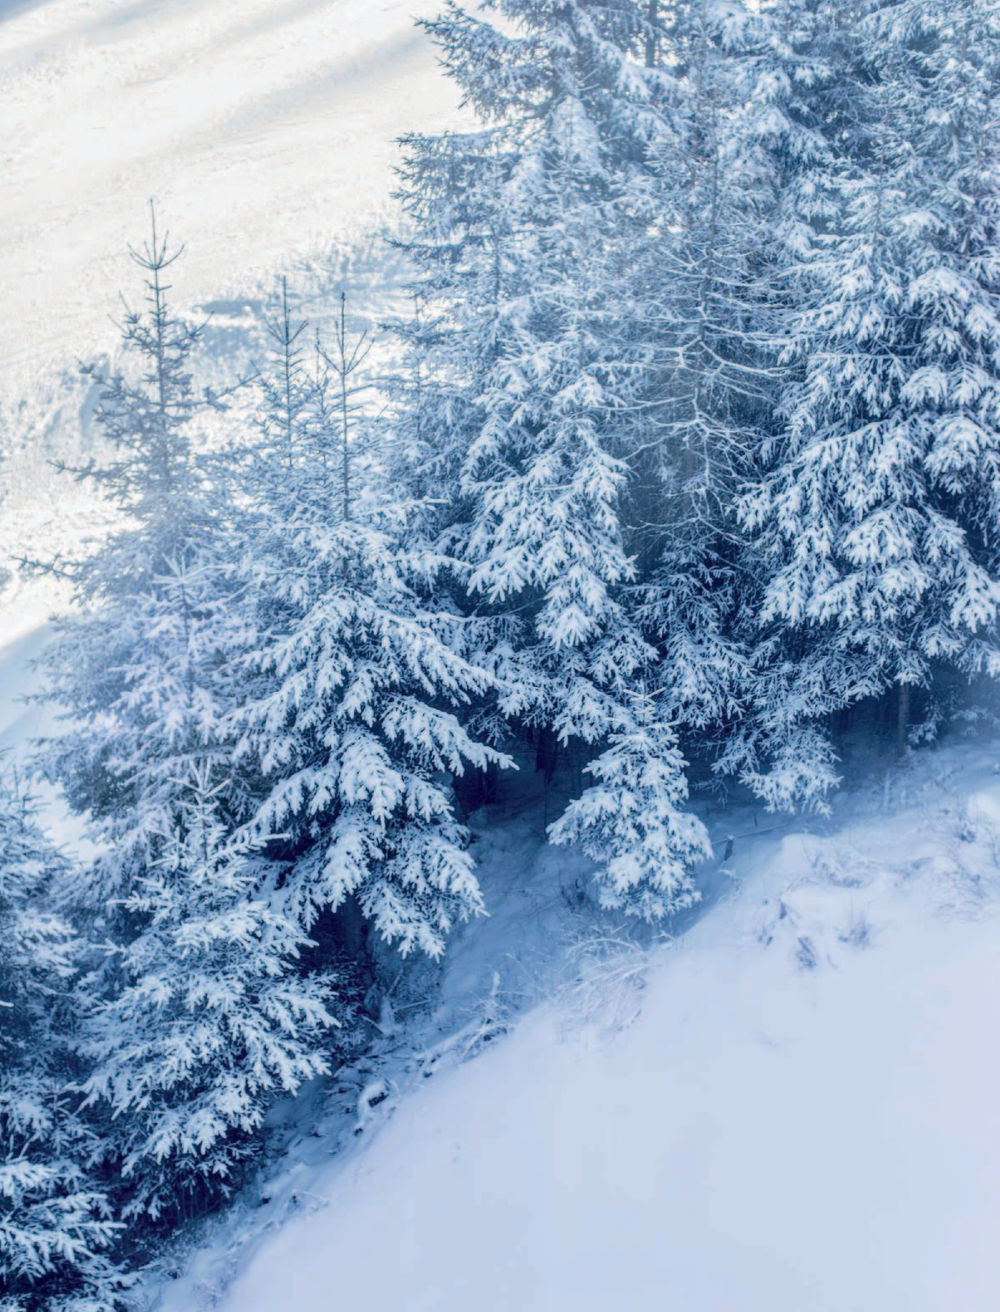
676, 471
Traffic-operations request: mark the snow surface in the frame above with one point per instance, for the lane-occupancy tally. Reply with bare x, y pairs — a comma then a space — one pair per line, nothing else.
262, 128
792, 1107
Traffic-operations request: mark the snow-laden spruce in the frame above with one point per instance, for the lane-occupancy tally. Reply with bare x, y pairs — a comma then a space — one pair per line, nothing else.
197, 1014
632, 821
353, 672
792, 89
710, 297
55, 1218
204, 1022
547, 363
701, 286
879, 510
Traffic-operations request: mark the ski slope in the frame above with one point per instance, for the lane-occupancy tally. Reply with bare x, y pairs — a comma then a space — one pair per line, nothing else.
263, 128
792, 1109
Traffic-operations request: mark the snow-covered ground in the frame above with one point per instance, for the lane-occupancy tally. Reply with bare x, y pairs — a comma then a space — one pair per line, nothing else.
791, 1109
263, 128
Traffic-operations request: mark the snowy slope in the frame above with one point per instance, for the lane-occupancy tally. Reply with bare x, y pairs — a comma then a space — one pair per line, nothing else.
792, 1109
265, 129
262, 128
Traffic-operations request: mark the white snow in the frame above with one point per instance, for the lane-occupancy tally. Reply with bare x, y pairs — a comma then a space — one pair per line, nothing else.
802, 1113
263, 128
19, 721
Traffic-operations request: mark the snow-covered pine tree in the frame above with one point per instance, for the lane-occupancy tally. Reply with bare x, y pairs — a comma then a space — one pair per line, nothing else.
878, 510
132, 666
544, 468
632, 821
761, 105
353, 675
55, 1221
205, 1021
460, 237
197, 1014
529, 282
951, 100
705, 300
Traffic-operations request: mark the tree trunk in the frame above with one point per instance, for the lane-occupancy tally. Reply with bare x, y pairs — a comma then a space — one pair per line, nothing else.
652, 15
902, 717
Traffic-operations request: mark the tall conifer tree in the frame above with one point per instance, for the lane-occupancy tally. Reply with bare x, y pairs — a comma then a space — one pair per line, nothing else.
877, 512
55, 1219
354, 669
197, 1015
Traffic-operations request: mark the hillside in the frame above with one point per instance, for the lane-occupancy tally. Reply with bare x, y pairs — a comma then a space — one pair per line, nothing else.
790, 1107
264, 130
611, 622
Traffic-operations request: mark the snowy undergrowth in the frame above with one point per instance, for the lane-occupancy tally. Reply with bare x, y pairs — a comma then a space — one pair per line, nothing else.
789, 1105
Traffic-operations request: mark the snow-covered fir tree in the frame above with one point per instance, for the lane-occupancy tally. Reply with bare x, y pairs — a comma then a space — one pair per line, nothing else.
878, 510
594, 366
197, 1014
632, 822
702, 303
203, 1020
766, 89
354, 671
55, 1219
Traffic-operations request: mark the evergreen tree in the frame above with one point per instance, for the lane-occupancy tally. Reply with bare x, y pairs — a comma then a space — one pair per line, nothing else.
204, 1022
197, 1014
543, 363
779, 88
353, 673
55, 1224
707, 277
877, 511
632, 821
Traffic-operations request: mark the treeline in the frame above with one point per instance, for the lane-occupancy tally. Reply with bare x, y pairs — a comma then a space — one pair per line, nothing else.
690, 444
